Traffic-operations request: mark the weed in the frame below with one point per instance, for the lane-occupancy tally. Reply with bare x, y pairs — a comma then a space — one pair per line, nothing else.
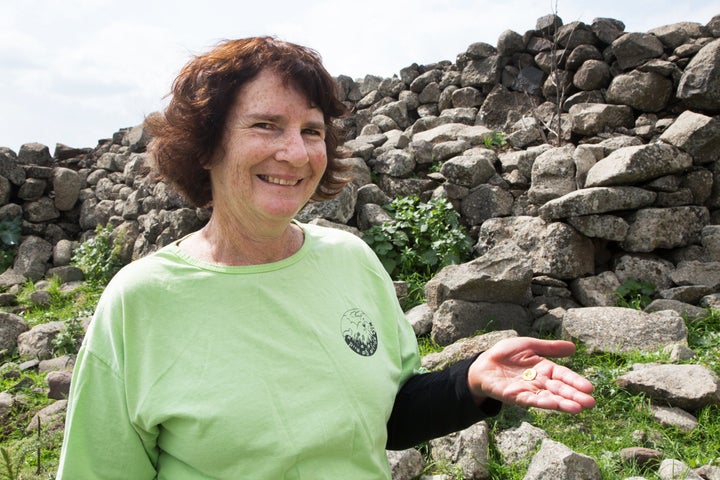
496, 140
68, 341
636, 294
421, 239
99, 256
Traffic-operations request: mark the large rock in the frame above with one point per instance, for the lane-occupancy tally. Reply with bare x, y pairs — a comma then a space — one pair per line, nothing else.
485, 202
467, 449
594, 118
592, 201
553, 175
11, 326
66, 184
554, 249
457, 319
689, 387
634, 49
643, 91
557, 462
637, 164
654, 228
695, 272
517, 443
696, 134
624, 330
700, 83
501, 275
38, 341
470, 170
405, 464
32, 257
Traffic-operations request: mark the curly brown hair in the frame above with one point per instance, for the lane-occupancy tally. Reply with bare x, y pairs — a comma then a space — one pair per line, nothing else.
190, 129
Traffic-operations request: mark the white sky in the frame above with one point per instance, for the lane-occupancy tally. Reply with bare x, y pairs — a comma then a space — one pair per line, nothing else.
75, 71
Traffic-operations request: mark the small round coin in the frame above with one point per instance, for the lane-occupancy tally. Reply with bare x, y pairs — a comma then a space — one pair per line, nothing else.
529, 374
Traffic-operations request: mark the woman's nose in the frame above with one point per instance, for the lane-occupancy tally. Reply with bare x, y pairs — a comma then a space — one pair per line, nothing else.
292, 148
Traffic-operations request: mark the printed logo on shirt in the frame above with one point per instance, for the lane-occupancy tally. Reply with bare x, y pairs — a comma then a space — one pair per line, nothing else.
359, 332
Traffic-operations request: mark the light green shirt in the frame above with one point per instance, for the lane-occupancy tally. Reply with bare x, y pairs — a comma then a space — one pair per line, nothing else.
286, 370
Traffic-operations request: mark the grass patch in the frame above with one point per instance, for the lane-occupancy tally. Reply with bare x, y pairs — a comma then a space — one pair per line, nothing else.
620, 419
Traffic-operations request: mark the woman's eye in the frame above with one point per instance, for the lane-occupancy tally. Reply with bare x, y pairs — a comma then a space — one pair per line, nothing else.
313, 132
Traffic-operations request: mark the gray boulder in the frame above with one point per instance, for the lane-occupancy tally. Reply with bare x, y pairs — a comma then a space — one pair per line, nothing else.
594, 118
11, 326
37, 342
32, 257
643, 91
467, 449
637, 164
700, 83
597, 200
689, 387
623, 330
518, 443
695, 272
556, 461
470, 170
501, 275
552, 175
554, 249
653, 228
696, 134
634, 49
485, 202
608, 227
405, 464
456, 319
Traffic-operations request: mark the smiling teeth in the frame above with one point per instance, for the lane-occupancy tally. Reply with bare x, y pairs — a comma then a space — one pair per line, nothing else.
278, 181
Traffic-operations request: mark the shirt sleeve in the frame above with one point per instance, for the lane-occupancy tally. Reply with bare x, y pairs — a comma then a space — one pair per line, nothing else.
430, 405
100, 442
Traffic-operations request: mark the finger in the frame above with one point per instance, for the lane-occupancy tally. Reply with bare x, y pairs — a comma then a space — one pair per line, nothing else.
569, 377
547, 400
569, 393
551, 348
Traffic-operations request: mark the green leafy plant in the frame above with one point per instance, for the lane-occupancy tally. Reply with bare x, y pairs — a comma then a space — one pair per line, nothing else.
99, 257
10, 233
420, 240
68, 341
496, 140
635, 294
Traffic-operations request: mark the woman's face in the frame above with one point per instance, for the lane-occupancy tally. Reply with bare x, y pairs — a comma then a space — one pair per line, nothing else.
272, 154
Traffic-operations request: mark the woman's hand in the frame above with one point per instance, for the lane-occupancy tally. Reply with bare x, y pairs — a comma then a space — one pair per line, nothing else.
516, 371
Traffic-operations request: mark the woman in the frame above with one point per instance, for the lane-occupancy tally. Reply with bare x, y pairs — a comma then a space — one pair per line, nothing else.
259, 347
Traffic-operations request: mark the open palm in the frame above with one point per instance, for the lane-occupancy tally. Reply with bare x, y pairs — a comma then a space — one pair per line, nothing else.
498, 373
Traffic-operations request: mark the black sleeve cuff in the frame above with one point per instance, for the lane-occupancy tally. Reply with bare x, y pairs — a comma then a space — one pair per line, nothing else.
431, 405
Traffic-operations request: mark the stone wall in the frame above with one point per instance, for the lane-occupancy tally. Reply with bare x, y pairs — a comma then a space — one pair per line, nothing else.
623, 185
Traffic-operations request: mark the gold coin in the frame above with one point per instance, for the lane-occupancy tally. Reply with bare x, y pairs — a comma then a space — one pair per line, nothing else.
529, 374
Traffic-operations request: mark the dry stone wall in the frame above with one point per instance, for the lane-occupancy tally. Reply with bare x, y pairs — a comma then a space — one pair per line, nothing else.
608, 168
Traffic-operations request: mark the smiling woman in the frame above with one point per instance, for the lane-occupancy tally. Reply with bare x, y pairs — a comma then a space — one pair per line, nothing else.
261, 347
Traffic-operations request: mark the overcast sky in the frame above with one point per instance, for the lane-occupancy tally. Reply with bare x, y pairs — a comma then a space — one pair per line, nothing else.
76, 71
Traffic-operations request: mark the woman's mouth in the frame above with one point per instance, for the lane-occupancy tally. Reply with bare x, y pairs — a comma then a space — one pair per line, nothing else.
278, 181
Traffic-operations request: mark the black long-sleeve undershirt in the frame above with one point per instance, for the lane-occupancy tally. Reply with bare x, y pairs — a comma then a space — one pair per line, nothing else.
430, 405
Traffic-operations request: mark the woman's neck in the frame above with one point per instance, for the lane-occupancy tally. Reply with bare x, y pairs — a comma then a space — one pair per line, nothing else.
226, 244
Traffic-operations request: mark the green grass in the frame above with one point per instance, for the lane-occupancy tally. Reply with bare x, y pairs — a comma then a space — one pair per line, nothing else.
620, 419
30, 388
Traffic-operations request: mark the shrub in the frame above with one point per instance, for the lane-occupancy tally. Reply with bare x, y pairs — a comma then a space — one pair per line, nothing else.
635, 294
99, 257
421, 239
